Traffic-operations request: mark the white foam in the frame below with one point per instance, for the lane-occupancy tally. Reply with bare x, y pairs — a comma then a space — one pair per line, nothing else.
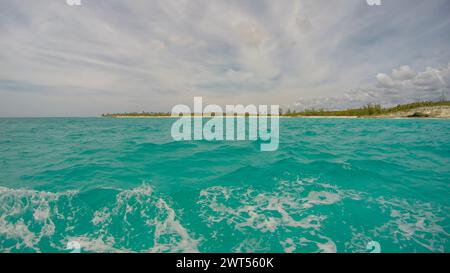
152, 211
283, 210
413, 221
28, 216
16, 204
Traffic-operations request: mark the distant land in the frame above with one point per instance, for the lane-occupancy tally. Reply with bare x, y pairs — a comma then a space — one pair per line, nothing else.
423, 109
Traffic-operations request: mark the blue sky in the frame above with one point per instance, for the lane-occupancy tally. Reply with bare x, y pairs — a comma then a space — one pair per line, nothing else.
116, 56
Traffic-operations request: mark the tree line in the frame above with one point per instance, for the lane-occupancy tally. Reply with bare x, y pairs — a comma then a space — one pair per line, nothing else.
367, 110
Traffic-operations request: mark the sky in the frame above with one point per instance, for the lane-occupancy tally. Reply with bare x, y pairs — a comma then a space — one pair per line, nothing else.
109, 56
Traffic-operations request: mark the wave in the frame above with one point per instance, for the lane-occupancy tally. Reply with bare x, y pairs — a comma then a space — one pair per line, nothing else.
307, 215
283, 212
298, 215
138, 220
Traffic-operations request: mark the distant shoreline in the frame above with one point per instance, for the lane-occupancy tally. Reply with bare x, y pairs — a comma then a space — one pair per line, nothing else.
288, 117
425, 109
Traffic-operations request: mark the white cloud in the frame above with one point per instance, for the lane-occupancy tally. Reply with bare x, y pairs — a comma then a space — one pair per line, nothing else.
425, 83
112, 55
403, 85
403, 73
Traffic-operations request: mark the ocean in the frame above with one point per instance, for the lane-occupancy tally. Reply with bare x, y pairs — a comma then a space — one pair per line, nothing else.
123, 185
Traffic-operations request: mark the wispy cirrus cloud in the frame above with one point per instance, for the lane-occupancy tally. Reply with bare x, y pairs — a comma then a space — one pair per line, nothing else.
111, 55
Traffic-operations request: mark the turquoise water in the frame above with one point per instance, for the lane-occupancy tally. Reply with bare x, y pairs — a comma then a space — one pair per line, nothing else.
116, 185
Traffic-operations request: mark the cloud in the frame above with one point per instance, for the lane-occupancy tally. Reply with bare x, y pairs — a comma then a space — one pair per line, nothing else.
428, 84
402, 85
113, 56
403, 73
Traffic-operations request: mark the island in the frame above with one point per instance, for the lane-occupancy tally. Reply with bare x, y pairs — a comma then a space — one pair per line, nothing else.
422, 109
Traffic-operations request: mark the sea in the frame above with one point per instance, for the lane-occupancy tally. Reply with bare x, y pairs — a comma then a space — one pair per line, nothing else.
124, 185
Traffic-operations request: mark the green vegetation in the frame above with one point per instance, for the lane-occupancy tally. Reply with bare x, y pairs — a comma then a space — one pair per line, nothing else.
368, 110
136, 114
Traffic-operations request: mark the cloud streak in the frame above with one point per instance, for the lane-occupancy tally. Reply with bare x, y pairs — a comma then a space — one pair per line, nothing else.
112, 56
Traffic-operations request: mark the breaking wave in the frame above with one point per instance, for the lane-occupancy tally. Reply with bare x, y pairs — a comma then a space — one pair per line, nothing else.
310, 216
137, 220
303, 215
